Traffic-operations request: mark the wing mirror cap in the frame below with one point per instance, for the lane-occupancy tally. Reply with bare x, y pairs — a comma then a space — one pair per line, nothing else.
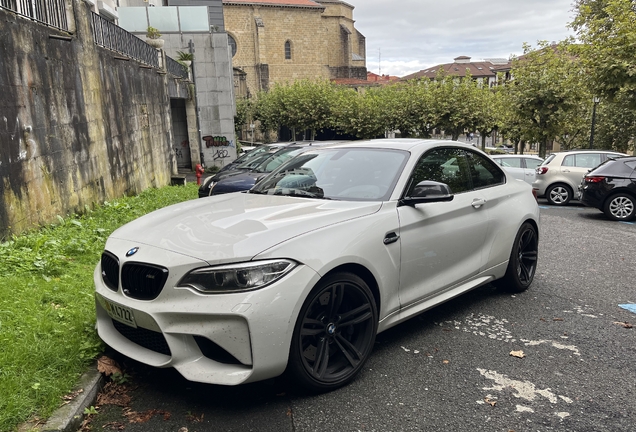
428, 191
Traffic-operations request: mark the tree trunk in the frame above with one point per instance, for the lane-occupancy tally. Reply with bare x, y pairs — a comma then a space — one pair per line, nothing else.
483, 140
543, 145
522, 146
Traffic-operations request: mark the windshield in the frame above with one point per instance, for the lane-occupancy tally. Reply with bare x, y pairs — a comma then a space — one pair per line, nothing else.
350, 174
267, 162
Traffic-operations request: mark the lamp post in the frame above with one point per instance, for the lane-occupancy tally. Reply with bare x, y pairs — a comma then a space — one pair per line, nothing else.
596, 100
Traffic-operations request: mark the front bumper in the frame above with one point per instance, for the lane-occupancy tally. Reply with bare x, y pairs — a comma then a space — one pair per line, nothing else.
252, 329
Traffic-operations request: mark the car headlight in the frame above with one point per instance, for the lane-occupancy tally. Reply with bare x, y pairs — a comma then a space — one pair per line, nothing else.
236, 277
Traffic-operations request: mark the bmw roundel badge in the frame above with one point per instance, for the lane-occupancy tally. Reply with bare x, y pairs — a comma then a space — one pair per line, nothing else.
132, 251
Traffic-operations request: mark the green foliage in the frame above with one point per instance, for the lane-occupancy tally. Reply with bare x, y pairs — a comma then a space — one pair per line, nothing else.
607, 30
184, 56
152, 33
548, 91
47, 312
90, 410
244, 112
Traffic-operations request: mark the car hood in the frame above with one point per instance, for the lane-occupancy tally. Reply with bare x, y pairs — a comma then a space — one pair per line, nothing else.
238, 226
237, 183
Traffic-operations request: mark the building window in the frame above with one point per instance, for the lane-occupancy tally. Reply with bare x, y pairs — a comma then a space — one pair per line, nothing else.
288, 50
232, 43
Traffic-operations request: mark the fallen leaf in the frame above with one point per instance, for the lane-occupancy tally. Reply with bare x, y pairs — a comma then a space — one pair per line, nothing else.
624, 324
542, 319
194, 417
69, 397
107, 366
490, 402
446, 361
289, 412
143, 417
113, 394
114, 425
183, 429
557, 319
518, 354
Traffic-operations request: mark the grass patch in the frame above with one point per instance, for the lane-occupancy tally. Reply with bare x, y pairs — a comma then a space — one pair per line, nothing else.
47, 310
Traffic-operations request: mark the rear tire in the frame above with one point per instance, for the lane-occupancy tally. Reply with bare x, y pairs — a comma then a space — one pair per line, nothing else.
334, 333
558, 194
620, 207
523, 260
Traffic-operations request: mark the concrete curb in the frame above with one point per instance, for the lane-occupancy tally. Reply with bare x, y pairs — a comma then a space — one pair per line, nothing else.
68, 418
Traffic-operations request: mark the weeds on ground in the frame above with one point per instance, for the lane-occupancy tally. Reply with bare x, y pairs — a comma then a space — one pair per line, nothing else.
47, 312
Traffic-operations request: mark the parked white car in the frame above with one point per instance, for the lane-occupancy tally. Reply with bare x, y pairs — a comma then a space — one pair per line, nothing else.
521, 167
301, 273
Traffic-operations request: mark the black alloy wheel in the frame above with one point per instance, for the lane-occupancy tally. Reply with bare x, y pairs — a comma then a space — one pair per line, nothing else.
620, 207
523, 260
334, 333
558, 194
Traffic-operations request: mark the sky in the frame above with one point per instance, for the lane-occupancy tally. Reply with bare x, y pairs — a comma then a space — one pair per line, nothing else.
411, 35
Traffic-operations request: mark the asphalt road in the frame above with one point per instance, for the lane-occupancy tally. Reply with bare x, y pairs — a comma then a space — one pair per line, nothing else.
450, 369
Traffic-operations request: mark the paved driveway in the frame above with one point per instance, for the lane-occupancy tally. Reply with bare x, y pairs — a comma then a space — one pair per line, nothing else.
450, 369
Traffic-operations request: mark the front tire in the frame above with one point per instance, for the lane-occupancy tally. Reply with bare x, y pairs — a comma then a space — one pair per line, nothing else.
523, 260
334, 333
558, 194
620, 207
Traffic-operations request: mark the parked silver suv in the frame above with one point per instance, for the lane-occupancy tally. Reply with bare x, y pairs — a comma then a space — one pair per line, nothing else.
561, 173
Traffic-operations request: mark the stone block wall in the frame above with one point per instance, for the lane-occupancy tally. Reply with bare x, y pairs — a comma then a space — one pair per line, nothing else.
77, 125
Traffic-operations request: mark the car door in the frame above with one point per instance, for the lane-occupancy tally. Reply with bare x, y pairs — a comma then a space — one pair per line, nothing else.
514, 166
575, 166
530, 169
441, 242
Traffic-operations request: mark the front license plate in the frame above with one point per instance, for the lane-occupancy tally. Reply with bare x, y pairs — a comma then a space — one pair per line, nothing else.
120, 313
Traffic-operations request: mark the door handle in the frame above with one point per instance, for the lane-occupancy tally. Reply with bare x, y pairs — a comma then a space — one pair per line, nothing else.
390, 238
478, 202
566, 170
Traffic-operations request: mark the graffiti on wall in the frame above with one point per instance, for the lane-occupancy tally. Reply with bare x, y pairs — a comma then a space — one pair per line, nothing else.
220, 145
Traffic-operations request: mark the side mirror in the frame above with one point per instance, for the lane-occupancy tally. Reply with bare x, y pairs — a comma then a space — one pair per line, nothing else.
428, 191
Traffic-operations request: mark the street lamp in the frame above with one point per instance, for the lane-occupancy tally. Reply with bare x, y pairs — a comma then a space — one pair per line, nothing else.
596, 100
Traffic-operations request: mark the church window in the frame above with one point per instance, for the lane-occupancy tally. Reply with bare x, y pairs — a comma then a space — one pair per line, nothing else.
232, 43
288, 51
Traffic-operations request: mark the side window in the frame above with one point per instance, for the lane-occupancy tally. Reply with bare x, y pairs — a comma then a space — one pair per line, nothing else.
588, 160
445, 165
483, 172
532, 163
512, 162
568, 160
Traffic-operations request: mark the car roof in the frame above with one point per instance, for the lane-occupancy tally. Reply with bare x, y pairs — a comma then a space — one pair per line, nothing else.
407, 144
586, 151
515, 156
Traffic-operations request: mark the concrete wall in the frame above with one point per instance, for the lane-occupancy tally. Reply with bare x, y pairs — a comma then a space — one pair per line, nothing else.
77, 125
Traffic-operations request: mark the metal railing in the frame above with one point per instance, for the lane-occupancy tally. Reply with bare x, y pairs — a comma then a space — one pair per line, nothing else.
50, 12
175, 68
115, 38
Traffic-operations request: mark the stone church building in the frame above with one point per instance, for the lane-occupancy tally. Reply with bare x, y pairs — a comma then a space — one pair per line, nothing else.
277, 41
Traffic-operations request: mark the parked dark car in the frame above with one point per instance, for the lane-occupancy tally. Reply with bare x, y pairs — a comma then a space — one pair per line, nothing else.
261, 167
242, 164
247, 174
611, 188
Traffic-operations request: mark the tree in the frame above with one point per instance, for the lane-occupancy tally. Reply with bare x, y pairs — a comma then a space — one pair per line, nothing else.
607, 30
453, 100
547, 88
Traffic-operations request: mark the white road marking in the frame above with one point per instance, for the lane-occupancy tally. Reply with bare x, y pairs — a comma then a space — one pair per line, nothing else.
521, 408
524, 389
554, 344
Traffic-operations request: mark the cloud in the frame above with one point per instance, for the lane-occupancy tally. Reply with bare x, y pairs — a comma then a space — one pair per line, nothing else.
411, 35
